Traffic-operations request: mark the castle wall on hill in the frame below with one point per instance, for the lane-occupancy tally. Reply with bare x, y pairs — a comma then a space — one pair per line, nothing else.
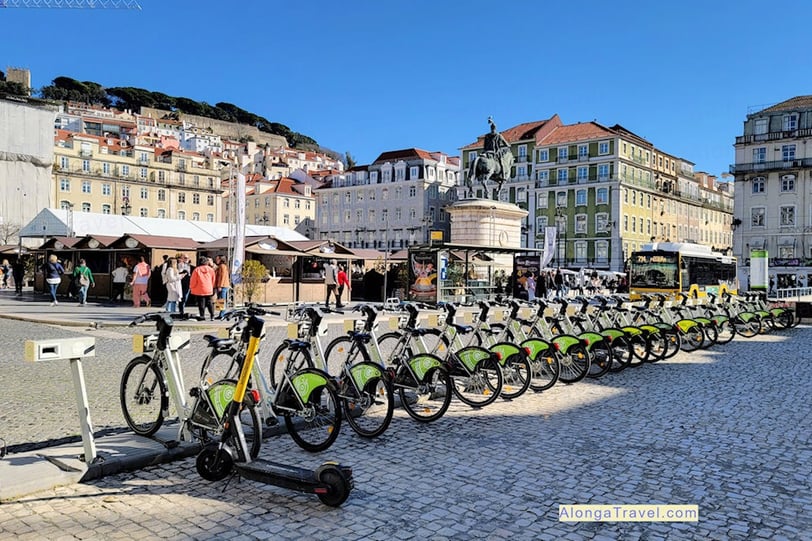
229, 130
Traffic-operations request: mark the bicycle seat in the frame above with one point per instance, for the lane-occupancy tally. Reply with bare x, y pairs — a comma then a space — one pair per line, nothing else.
462, 329
217, 342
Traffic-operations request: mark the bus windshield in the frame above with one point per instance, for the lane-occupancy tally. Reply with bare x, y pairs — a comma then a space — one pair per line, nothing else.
655, 270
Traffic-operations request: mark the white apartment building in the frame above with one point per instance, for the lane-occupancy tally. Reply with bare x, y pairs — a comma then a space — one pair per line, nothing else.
392, 203
773, 203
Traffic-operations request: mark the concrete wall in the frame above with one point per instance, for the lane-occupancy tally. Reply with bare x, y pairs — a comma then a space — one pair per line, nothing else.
26, 161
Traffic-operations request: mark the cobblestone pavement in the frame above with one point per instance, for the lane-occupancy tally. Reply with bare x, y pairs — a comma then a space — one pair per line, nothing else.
726, 429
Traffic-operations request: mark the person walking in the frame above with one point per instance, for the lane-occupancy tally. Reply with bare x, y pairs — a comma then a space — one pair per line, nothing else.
174, 290
84, 277
119, 276
53, 271
18, 273
558, 280
140, 281
202, 286
185, 269
342, 281
331, 280
6, 268
530, 285
222, 283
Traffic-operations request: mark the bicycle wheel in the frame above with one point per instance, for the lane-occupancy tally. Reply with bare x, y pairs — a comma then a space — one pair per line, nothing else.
221, 365
368, 408
287, 360
621, 353
392, 349
747, 325
316, 424
658, 347
428, 399
516, 374
601, 359
482, 385
343, 351
692, 338
674, 342
640, 349
725, 331
574, 364
544, 365
144, 396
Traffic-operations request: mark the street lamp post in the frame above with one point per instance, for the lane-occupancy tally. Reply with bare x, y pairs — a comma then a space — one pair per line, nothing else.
561, 224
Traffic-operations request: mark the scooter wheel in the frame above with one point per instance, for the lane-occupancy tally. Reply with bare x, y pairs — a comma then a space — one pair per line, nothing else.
338, 486
214, 464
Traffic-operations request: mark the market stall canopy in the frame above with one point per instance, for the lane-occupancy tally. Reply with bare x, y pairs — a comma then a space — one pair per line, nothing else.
55, 222
139, 242
59, 243
323, 248
262, 245
94, 242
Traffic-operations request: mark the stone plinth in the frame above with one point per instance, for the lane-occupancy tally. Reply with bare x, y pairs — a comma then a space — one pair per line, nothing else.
488, 223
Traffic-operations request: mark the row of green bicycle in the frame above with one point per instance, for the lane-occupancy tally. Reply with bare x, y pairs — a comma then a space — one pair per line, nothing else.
508, 348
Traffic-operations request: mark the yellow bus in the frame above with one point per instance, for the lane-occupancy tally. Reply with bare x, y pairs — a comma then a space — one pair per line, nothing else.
681, 267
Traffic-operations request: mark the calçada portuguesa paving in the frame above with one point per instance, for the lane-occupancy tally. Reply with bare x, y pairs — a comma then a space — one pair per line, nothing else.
725, 429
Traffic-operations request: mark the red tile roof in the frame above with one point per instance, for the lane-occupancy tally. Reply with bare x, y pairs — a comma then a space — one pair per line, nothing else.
575, 132
404, 154
521, 132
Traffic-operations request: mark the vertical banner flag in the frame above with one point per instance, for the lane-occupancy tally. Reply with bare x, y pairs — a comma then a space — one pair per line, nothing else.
549, 246
239, 236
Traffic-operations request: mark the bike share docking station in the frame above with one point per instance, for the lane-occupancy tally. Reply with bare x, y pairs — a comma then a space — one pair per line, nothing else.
74, 350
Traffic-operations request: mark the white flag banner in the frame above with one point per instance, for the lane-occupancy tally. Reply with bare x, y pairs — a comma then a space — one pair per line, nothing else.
239, 234
549, 246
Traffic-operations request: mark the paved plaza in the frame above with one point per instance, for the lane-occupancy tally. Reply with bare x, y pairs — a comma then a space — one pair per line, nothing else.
726, 429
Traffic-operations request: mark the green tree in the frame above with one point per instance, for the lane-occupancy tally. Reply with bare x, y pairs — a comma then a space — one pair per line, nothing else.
349, 161
252, 272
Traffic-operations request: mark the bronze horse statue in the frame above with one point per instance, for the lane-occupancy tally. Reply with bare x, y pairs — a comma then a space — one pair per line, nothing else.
490, 165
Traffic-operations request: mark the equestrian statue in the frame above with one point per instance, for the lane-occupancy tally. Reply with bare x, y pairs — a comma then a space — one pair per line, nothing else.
495, 163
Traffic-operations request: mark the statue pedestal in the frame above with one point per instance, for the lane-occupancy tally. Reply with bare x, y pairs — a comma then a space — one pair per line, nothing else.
487, 223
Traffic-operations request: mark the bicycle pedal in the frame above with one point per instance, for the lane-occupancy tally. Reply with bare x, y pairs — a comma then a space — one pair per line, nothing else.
271, 421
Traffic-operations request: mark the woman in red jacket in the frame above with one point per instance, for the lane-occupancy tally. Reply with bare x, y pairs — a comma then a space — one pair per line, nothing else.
202, 286
342, 280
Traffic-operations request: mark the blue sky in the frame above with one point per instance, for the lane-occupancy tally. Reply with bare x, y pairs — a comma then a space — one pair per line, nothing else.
372, 76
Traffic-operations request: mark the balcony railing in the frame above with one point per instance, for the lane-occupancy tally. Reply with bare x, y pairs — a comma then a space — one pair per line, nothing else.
769, 166
773, 136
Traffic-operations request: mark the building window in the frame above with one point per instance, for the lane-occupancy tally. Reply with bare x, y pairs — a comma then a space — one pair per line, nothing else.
64, 162
544, 155
143, 212
790, 122
582, 173
412, 191
583, 151
543, 175
85, 207
788, 152
142, 173
297, 204
64, 185
181, 197
144, 193
161, 213
211, 184
286, 219
563, 154
372, 195
414, 173
759, 184
85, 186
400, 173
107, 189
105, 168
210, 200
162, 195
602, 196
209, 217
757, 217
359, 196
787, 216
760, 155
603, 171
125, 170
195, 216
602, 222
86, 166
181, 215
761, 126
561, 199
580, 223
562, 175
603, 147
788, 183
107, 209
196, 199
580, 197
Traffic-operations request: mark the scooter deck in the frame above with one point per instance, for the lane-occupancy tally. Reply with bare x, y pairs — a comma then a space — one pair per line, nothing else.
284, 475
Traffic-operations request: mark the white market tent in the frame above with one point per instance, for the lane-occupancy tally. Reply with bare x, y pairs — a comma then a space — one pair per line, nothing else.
55, 222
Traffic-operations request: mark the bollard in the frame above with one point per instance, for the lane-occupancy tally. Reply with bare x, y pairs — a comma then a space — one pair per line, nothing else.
74, 350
